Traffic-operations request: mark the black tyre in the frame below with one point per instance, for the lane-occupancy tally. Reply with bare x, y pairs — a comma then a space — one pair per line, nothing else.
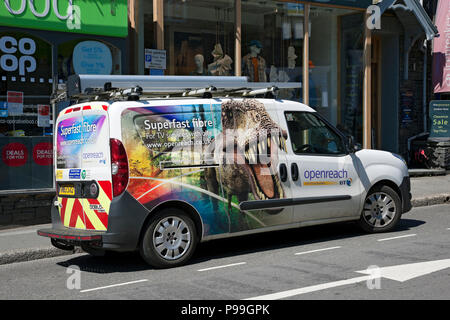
169, 239
382, 210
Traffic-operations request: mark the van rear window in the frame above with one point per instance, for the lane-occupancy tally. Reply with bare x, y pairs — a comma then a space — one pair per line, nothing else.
79, 142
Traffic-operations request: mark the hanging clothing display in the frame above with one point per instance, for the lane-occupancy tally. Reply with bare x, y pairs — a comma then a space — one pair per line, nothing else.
222, 62
254, 68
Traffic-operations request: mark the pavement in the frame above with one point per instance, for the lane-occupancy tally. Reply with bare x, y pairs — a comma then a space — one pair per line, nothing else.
23, 244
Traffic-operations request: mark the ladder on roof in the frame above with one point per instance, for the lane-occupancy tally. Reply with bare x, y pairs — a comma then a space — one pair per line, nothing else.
129, 87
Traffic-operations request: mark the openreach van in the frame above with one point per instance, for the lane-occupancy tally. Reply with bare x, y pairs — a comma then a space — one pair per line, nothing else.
158, 164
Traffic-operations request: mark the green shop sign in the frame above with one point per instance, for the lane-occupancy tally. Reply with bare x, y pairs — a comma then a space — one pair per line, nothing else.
107, 18
440, 119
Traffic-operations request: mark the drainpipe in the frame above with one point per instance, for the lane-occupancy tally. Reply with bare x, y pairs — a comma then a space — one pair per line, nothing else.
425, 68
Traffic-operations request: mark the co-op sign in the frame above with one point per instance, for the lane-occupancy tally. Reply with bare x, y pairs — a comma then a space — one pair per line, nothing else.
17, 55
79, 16
71, 15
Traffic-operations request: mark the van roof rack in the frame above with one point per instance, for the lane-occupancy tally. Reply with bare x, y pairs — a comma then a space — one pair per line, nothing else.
131, 87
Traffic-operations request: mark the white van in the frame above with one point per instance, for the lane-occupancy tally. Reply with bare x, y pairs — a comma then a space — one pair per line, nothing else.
161, 174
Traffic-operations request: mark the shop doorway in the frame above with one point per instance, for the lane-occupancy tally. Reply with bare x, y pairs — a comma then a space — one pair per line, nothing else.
376, 92
386, 92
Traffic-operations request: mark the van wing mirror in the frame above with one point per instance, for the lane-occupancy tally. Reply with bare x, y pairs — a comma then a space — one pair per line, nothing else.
352, 145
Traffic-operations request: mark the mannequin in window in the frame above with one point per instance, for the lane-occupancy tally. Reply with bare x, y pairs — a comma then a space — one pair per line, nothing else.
199, 69
253, 65
291, 57
289, 74
222, 62
292, 73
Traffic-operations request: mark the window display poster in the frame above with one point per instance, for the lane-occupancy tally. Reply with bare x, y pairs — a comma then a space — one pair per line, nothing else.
3, 109
407, 105
440, 119
155, 59
43, 115
92, 57
26, 162
15, 103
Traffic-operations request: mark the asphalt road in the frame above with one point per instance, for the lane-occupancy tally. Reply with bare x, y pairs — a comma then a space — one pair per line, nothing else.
315, 258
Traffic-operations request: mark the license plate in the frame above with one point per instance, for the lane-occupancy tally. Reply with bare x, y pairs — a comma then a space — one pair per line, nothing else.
67, 191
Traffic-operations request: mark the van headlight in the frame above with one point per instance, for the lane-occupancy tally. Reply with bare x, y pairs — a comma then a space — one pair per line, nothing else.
401, 158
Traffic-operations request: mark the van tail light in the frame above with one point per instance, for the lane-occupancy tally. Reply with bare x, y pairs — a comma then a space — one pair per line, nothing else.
119, 167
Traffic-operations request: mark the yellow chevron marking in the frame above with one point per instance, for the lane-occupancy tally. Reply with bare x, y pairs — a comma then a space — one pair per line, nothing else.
59, 208
79, 224
104, 200
92, 216
68, 212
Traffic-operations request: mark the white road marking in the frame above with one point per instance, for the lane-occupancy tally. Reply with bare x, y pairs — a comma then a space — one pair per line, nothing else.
400, 273
318, 250
399, 237
114, 285
225, 266
296, 292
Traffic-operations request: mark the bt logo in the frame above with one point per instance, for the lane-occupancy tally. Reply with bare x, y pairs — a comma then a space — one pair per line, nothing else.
9, 62
347, 182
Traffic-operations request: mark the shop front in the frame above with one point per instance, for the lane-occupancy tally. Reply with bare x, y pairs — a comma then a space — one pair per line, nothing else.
317, 43
343, 65
41, 44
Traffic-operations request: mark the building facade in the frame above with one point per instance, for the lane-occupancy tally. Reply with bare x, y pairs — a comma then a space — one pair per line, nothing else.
41, 44
365, 78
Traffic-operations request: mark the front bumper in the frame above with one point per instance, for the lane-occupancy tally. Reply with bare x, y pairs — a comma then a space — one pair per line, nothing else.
405, 190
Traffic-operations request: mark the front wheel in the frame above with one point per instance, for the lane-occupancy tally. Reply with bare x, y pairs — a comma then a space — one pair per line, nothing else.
382, 210
169, 240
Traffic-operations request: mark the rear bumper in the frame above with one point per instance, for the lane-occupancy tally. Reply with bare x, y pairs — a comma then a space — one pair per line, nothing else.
72, 236
125, 221
405, 190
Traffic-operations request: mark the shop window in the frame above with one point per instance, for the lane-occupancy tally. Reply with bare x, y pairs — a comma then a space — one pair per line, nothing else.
25, 114
272, 43
87, 57
325, 60
350, 112
198, 37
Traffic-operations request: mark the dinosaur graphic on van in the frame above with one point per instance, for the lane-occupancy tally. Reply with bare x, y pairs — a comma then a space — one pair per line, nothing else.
253, 138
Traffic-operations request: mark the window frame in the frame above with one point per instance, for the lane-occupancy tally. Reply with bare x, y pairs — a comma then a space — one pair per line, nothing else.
329, 126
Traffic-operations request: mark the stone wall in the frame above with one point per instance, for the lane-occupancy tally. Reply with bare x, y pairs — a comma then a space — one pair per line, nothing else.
20, 209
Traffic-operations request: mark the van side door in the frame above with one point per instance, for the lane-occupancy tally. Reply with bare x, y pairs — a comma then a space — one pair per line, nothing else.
324, 178
254, 147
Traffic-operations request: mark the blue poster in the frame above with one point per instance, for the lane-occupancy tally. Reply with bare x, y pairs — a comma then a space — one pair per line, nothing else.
3, 109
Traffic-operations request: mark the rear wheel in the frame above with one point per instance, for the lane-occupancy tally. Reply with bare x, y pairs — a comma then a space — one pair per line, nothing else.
382, 210
169, 239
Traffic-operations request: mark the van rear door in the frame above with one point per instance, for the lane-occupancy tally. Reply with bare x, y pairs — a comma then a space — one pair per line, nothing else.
83, 167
